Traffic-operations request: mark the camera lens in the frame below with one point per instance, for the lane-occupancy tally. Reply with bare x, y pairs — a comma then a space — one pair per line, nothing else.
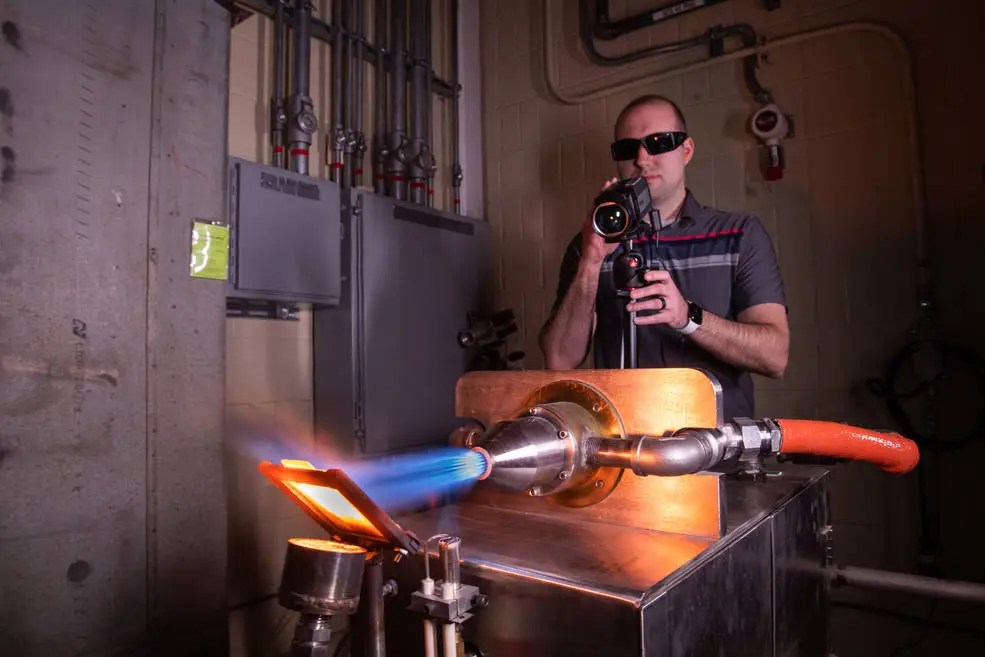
610, 220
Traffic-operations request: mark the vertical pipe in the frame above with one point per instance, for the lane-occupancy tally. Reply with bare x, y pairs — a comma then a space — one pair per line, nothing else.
338, 96
303, 122
368, 637
380, 151
278, 114
430, 643
633, 345
348, 94
449, 639
416, 172
359, 149
397, 156
456, 167
428, 162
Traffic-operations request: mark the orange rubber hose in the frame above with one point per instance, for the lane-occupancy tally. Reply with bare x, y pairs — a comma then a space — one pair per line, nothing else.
890, 451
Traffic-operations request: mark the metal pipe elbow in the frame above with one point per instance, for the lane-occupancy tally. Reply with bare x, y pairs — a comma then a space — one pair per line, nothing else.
682, 454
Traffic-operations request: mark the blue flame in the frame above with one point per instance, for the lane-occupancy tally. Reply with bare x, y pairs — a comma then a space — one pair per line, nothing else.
406, 481
397, 482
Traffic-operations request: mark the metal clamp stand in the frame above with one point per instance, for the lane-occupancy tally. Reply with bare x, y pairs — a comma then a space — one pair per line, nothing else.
447, 604
368, 636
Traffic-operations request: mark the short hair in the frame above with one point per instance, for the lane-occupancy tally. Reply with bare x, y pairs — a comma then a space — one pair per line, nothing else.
653, 99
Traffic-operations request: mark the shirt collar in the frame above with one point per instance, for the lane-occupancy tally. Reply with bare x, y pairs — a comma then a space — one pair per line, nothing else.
692, 210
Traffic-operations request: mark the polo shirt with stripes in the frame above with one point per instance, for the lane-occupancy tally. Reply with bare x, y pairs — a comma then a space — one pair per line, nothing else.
723, 261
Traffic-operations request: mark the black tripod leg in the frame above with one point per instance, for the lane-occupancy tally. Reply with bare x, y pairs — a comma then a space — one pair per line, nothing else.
633, 362
628, 349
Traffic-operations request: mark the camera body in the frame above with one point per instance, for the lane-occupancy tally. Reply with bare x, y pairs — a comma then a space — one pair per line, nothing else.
620, 210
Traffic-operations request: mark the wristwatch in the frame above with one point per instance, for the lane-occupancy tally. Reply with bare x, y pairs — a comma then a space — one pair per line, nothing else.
695, 314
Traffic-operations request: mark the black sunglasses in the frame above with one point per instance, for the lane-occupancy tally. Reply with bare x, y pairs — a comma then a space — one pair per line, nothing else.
655, 144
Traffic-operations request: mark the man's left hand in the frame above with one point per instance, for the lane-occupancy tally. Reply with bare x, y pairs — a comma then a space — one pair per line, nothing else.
662, 298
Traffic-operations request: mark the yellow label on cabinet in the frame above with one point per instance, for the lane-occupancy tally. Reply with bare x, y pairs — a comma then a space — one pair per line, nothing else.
210, 251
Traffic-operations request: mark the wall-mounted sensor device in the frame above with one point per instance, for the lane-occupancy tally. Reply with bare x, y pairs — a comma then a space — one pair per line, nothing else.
771, 126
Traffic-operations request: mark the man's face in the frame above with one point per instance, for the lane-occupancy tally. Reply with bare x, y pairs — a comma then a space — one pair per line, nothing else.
664, 172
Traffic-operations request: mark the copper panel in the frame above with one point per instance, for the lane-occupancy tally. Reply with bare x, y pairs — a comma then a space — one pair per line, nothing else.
692, 505
651, 401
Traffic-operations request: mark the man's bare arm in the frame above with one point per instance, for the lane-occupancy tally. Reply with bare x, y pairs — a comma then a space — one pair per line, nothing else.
566, 336
759, 341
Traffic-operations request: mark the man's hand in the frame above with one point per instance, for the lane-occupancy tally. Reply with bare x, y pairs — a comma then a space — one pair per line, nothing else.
594, 248
662, 297
759, 339
566, 336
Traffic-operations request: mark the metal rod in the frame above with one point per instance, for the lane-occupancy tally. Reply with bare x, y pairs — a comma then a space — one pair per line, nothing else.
323, 31
302, 13
629, 357
349, 95
338, 94
428, 162
633, 351
610, 452
359, 146
380, 150
278, 113
397, 162
368, 636
665, 457
905, 583
416, 171
457, 174
303, 122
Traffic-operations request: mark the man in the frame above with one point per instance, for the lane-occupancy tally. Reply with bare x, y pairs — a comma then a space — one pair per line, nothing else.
713, 299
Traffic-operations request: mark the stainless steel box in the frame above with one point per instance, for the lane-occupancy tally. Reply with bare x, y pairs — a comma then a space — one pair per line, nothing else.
560, 586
